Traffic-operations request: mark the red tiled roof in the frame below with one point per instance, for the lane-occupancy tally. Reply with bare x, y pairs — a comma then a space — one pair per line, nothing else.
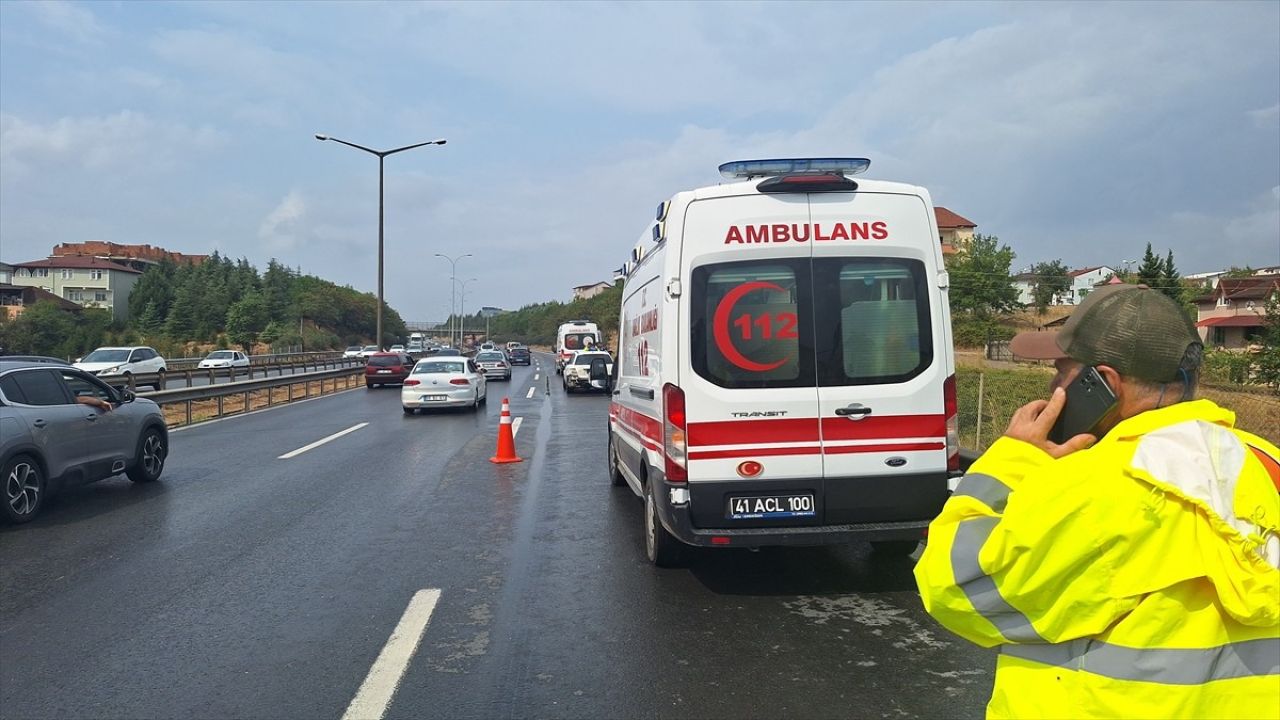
77, 262
1233, 321
1077, 273
1248, 287
948, 219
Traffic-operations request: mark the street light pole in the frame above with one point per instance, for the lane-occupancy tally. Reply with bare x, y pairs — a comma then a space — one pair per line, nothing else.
382, 154
453, 278
462, 308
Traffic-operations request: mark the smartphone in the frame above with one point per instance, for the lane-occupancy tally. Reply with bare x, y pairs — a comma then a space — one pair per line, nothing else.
1089, 402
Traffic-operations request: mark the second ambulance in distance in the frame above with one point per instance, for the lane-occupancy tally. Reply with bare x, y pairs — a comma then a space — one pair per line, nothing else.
573, 336
785, 372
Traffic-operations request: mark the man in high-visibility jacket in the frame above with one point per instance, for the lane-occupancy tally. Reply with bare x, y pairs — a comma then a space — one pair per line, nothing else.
1132, 574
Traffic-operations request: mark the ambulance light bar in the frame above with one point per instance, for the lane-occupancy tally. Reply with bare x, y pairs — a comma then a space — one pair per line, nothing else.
746, 169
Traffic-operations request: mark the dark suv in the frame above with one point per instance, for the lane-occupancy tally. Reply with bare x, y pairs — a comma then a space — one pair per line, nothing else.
56, 431
386, 368
519, 355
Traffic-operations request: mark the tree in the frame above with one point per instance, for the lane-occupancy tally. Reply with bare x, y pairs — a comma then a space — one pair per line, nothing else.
42, 329
1170, 280
1151, 271
150, 322
1051, 280
980, 281
245, 319
1268, 359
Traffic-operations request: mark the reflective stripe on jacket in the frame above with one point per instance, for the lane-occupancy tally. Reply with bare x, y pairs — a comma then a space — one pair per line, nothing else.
1135, 579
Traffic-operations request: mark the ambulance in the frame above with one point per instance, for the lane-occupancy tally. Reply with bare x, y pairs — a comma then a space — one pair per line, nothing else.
785, 373
573, 336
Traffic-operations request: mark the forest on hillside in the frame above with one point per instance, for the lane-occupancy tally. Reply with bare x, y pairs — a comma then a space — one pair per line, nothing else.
177, 308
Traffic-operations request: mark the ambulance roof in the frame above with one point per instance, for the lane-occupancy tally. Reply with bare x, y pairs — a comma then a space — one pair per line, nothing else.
748, 187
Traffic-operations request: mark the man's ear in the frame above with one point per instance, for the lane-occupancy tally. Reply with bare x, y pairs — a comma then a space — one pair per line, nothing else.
1112, 377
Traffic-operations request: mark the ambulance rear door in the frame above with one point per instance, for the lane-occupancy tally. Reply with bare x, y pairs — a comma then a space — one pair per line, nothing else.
746, 362
881, 356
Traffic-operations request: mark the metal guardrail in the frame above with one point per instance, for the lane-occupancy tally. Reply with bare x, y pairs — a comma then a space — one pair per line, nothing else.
188, 396
260, 360
160, 380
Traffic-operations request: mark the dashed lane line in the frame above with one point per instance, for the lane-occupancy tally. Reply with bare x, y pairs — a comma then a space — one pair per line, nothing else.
530, 395
379, 686
321, 441
515, 426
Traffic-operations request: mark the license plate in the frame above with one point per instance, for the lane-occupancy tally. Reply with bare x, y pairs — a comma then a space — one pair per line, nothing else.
384, 372
434, 398
771, 506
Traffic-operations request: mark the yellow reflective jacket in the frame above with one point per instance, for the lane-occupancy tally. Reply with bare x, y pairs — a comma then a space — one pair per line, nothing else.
1135, 579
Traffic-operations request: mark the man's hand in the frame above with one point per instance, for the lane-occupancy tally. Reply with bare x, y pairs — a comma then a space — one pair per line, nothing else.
1032, 422
93, 401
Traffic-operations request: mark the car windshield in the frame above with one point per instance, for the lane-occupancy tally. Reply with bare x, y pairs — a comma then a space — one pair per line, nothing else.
490, 357
439, 367
221, 355
586, 358
353, 347
371, 348
106, 356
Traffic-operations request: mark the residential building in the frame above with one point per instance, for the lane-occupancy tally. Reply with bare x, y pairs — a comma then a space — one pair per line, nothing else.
1208, 279
1025, 284
1082, 282
6, 273
1233, 315
88, 281
582, 292
14, 299
137, 257
954, 231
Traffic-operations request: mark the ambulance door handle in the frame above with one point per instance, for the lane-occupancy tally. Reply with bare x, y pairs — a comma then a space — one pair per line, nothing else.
646, 393
855, 411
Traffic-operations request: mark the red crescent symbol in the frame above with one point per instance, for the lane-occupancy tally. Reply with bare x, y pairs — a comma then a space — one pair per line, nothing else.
721, 327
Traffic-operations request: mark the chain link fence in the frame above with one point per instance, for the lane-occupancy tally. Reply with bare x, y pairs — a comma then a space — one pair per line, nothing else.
989, 393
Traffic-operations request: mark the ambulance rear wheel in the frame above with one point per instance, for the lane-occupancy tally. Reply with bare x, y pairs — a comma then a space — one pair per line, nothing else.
660, 546
615, 474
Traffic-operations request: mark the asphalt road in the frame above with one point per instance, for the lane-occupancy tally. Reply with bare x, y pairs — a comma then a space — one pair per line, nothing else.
243, 585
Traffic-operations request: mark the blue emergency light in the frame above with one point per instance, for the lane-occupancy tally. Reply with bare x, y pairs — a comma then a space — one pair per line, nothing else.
746, 169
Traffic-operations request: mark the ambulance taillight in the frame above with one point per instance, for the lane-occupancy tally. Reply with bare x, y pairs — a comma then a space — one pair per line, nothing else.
674, 448
951, 409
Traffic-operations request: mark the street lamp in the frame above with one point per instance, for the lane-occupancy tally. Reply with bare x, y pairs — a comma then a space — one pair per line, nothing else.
453, 271
462, 308
382, 154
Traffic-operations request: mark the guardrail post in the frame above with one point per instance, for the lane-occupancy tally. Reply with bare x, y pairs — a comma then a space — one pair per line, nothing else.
220, 404
188, 404
246, 401
187, 374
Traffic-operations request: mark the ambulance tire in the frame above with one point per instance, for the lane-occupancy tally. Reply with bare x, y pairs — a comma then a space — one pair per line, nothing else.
894, 548
615, 473
661, 547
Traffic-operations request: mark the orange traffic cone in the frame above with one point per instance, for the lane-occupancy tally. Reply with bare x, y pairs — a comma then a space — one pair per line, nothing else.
506, 439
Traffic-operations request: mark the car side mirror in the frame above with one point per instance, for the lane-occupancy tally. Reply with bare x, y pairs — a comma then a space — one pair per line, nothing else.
127, 396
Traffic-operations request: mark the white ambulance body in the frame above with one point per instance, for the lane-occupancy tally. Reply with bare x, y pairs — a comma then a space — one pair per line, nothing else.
785, 370
573, 336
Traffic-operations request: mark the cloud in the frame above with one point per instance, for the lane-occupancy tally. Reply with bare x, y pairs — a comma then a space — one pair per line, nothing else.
1266, 118
69, 20
281, 228
126, 143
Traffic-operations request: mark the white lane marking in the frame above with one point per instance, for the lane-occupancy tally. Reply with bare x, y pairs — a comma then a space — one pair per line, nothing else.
515, 426
321, 441
535, 376
530, 395
379, 686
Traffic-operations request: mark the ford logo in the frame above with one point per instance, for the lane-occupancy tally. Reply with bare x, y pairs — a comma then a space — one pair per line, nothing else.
896, 461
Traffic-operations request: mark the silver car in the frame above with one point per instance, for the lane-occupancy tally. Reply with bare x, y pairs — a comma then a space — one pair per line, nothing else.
61, 426
494, 364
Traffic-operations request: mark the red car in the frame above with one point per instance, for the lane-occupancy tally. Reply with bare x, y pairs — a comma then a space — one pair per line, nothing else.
386, 368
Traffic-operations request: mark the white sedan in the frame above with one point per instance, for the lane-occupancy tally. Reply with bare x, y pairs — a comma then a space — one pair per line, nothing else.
577, 372
443, 382
224, 359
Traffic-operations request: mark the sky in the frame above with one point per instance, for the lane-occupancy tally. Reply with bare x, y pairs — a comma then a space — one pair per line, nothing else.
1078, 132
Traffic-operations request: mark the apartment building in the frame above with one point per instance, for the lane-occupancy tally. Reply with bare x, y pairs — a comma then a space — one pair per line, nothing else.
87, 281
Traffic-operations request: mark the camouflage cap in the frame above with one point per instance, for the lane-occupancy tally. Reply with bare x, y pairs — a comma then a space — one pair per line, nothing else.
1138, 331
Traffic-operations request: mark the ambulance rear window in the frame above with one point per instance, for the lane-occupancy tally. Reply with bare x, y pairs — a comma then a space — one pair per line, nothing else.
872, 320
577, 341
749, 324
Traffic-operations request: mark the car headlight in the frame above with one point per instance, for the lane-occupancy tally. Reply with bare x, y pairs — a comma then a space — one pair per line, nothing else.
111, 371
